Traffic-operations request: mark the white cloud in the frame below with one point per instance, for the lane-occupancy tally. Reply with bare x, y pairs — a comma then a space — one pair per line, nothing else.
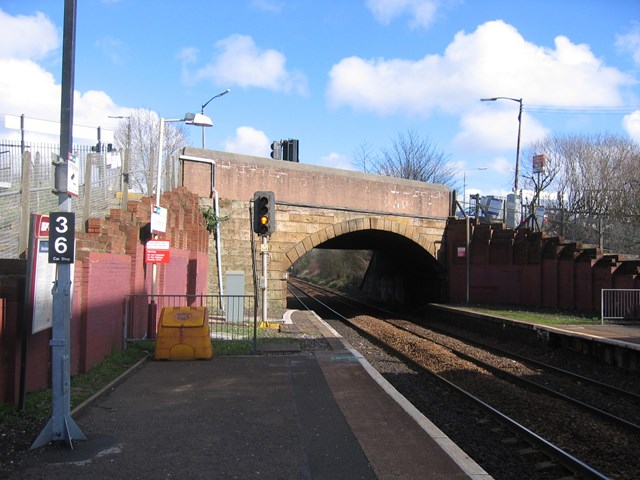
337, 160
27, 37
239, 61
249, 141
421, 12
631, 124
630, 43
28, 88
494, 59
112, 47
497, 128
272, 6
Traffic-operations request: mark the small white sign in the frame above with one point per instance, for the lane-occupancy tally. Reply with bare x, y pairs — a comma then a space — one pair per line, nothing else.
158, 219
73, 175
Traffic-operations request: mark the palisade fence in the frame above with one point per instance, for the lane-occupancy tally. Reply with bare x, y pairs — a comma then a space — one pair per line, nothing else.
27, 181
619, 304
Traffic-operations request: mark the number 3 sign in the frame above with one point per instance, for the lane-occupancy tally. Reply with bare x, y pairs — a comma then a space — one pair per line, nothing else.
62, 228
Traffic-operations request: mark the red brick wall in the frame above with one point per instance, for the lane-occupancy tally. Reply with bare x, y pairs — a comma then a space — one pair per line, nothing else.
539, 271
109, 265
103, 292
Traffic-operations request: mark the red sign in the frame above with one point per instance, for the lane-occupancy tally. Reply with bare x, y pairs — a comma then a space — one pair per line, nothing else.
157, 251
42, 227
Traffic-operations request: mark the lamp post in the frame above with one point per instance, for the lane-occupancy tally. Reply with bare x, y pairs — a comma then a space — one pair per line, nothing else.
207, 103
468, 228
464, 182
198, 120
519, 100
125, 165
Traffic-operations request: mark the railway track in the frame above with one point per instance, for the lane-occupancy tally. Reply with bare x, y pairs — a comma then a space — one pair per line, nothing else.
523, 396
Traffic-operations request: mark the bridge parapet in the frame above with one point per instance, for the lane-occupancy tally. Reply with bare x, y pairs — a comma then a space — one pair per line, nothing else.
315, 205
237, 177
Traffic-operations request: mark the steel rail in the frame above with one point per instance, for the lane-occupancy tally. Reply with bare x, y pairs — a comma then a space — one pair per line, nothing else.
562, 457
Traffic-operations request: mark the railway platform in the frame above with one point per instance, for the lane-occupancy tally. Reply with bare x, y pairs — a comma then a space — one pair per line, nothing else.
323, 414
614, 344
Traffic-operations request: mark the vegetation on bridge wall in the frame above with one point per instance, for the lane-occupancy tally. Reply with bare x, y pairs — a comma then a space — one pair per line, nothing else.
521, 267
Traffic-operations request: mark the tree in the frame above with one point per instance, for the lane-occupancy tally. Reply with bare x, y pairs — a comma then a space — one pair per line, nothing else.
145, 133
595, 180
410, 157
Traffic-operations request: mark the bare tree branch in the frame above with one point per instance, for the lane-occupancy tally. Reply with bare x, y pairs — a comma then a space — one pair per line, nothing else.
145, 133
410, 157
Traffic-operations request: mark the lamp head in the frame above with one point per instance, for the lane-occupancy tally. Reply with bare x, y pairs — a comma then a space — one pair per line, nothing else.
198, 119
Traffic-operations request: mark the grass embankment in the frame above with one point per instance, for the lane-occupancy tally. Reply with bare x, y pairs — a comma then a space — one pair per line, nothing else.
37, 405
542, 316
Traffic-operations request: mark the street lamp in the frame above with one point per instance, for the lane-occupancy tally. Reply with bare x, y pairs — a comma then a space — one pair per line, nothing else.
519, 100
468, 228
198, 120
464, 182
207, 103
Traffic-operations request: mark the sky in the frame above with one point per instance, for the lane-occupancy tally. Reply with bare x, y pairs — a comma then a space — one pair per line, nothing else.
337, 75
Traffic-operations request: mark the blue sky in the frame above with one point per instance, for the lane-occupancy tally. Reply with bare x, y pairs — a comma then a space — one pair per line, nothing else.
338, 74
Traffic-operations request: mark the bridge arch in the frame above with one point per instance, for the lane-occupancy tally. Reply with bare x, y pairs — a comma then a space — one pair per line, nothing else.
345, 227
403, 269
319, 207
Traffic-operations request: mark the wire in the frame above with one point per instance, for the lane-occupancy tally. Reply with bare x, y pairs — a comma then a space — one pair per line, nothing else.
577, 109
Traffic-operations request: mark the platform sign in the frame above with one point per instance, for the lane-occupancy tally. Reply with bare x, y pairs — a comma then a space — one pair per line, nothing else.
539, 163
62, 231
158, 219
73, 175
40, 274
157, 251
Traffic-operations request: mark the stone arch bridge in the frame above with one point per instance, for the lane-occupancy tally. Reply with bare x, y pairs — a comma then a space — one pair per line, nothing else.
401, 221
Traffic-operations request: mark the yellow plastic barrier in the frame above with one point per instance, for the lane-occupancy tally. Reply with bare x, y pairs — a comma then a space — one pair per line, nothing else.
183, 334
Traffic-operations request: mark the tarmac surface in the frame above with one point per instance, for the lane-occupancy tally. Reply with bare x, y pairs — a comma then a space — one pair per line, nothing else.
324, 414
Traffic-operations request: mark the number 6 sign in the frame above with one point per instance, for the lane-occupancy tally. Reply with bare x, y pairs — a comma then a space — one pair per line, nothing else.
62, 227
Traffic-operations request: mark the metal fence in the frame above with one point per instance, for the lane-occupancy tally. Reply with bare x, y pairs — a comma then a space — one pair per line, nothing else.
27, 181
231, 317
619, 304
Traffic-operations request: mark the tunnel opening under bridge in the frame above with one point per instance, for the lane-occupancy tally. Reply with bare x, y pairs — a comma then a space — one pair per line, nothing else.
382, 266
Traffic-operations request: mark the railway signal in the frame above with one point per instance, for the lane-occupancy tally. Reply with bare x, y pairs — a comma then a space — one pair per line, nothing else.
264, 213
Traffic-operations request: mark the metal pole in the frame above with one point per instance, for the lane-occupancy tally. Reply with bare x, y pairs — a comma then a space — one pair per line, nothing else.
154, 266
25, 189
264, 253
125, 168
159, 164
464, 189
207, 103
519, 100
467, 256
61, 426
515, 182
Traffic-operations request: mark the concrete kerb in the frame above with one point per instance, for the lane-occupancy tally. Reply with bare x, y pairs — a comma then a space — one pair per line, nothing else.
111, 385
466, 463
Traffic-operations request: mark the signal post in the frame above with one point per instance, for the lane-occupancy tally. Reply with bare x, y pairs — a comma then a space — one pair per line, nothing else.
264, 224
